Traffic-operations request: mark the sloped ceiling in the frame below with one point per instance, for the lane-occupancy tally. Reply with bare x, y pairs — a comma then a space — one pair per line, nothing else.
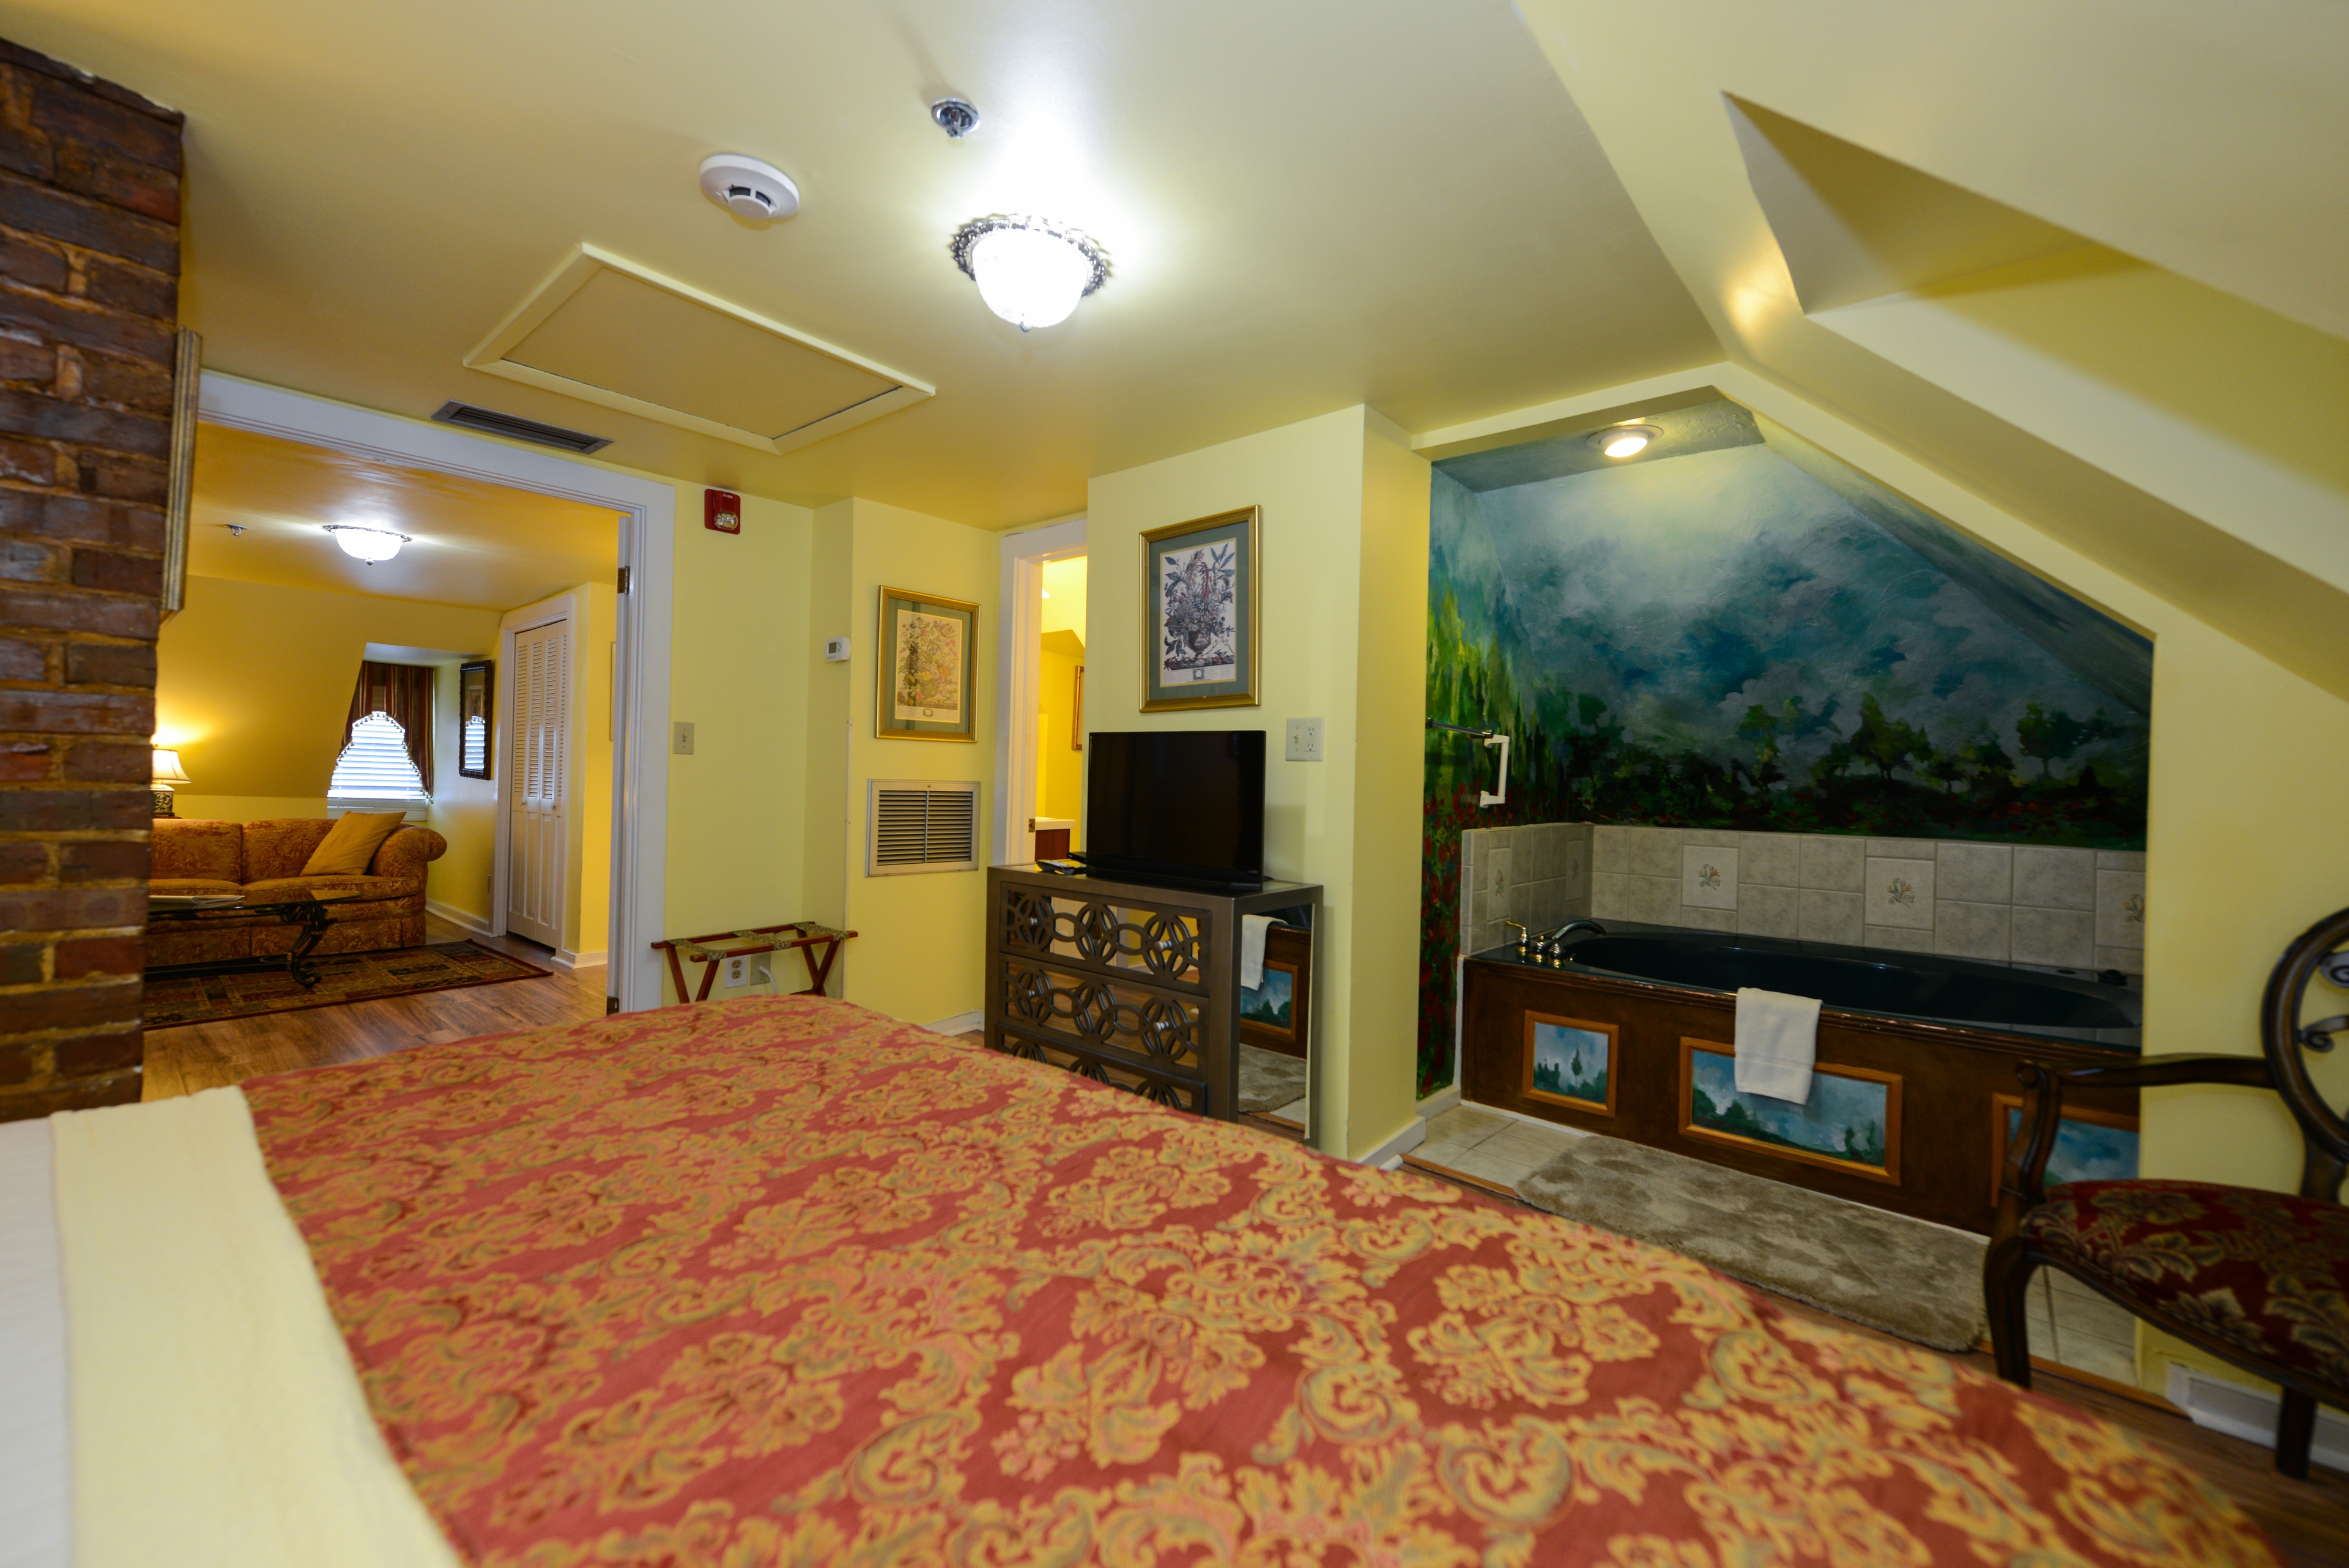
1306, 205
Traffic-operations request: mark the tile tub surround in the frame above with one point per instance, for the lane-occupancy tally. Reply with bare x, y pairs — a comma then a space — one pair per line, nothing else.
1538, 876
2058, 908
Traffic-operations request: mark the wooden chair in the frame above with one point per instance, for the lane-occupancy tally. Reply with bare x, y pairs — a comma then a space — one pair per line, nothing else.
2257, 1279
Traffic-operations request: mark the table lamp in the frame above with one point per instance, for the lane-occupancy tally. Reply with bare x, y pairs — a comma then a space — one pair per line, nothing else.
167, 772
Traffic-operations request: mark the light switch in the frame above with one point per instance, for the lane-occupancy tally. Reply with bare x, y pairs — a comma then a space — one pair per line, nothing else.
681, 738
1305, 740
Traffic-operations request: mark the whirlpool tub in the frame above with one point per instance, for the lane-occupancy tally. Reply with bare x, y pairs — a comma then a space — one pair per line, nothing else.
1631, 1031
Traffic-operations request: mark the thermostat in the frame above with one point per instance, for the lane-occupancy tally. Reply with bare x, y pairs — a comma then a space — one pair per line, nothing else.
835, 649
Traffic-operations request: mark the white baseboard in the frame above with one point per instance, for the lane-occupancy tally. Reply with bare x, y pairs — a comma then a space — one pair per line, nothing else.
960, 1023
1389, 1155
456, 916
569, 960
1436, 1104
2240, 1411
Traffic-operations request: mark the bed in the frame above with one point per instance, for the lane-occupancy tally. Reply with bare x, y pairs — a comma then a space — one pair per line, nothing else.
781, 1282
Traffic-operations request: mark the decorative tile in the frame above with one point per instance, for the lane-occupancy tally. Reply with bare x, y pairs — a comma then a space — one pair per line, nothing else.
1495, 868
2056, 878
1902, 849
1611, 849
2120, 908
1976, 873
2129, 960
1767, 912
1899, 892
1825, 917
1654, 900
1834, 864
2120, 859
1656, 852
1963, 930
1897, 939
1610, 896
2065, 938
1775, 858
1709, 877
1706, 919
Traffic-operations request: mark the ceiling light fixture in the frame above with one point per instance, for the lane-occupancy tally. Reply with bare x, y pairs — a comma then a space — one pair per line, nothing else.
1030, 272
368, 545
1625, 440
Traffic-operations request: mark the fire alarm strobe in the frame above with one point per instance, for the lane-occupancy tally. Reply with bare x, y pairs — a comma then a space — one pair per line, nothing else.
722, 511
748, 188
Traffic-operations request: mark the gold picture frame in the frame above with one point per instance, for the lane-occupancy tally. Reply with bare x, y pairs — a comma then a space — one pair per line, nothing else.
1862, 1081
1610, 1064
926, 683
1199, 599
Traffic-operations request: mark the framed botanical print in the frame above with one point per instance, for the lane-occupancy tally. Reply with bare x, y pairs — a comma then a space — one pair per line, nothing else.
476, 713
928, 678
1199, 613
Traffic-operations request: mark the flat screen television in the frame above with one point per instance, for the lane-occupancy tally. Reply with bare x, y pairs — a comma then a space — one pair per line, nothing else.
1176, 806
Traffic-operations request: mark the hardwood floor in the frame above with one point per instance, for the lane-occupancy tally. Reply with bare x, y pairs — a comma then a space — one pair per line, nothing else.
2306, 1521
192, 1056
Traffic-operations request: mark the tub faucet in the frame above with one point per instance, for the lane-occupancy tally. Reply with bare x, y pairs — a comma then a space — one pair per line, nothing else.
1525, 938
1547, 942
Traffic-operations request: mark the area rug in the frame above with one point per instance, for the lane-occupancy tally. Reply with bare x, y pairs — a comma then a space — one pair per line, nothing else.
1269, 1080
1906, 1277
342, 977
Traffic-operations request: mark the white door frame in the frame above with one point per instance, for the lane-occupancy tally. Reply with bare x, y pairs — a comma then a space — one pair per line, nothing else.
563, 607
648, 533
1019, 679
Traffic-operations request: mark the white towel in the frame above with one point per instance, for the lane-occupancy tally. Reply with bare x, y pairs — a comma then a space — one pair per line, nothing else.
1777, 1040
1252, 931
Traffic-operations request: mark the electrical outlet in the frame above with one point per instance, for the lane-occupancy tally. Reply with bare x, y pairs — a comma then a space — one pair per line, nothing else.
835, 650
681, 738
738, 970
1305, 740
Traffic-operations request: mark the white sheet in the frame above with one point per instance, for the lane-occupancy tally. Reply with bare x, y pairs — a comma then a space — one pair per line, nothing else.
35, 1511
1777, 1043
1253, 929
217, 1419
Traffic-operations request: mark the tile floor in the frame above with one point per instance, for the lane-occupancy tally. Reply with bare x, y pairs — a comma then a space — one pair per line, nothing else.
2069, 1323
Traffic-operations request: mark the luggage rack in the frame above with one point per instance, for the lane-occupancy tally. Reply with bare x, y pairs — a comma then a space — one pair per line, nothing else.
818, 946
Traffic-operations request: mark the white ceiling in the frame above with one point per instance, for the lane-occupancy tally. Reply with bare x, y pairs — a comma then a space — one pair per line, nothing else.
1307, 205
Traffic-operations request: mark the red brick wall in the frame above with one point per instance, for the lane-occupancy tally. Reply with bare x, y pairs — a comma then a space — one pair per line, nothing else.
89, 263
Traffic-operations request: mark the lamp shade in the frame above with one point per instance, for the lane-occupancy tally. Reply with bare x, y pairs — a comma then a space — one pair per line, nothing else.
168, 771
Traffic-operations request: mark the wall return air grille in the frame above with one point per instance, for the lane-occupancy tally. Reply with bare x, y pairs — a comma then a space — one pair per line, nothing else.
920, 824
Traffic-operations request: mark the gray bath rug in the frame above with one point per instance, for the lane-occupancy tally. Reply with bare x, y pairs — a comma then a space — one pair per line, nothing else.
1269, 1080
1904, 1276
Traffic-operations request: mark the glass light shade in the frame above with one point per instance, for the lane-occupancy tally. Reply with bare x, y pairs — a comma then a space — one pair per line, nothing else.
368, 545
168, 771
1029, 278
1626, 445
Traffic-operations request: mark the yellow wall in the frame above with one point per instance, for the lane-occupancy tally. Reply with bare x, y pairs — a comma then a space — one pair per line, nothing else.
464, 811
1344, 549
918, 953
740, 674
1059, 766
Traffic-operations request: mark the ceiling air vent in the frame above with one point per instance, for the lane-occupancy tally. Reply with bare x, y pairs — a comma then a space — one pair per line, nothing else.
515, 428
918, 824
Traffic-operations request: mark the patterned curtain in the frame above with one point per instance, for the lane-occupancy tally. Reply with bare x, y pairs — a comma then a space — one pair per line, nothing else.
404, 691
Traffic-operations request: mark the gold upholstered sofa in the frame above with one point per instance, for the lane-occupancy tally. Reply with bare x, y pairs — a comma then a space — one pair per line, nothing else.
258, 858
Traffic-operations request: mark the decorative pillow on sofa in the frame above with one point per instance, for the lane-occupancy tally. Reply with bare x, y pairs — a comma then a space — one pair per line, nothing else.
350, 847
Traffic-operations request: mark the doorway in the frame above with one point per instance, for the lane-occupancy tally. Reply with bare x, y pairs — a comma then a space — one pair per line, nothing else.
1025, 754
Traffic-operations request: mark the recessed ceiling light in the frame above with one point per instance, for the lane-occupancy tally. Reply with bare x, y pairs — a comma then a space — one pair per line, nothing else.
368, 545
1030, 272
748, 188
1624, 441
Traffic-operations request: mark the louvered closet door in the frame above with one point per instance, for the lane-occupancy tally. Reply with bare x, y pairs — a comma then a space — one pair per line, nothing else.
537, 794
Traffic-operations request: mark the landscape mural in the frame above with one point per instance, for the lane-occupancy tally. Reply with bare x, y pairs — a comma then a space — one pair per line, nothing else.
1843, 1120
1571, 1062
1738, 631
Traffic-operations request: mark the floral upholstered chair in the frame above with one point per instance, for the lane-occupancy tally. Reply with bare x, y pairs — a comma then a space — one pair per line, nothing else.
2258, 1279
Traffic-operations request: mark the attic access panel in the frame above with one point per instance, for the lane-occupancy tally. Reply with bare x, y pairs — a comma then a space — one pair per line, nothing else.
609, 331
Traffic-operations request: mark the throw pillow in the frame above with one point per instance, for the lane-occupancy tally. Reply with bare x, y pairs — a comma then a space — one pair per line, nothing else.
350, 844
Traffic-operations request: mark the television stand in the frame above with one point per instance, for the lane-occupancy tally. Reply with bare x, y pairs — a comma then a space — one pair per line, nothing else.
1133, 980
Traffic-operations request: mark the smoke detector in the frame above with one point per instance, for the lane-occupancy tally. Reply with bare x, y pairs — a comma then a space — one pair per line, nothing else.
748, 188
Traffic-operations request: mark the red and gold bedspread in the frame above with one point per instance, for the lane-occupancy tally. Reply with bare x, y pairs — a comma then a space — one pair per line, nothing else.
780, 1282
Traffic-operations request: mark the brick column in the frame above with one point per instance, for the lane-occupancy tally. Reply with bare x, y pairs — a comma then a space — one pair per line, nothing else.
90, 262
